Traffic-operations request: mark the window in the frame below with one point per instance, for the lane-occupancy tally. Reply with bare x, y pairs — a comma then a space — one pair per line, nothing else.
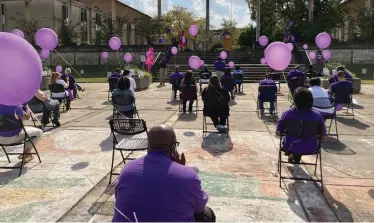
84, 24
98, 30
65, 14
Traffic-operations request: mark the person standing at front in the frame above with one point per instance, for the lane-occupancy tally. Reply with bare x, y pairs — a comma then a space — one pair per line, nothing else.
163, 70
219, 67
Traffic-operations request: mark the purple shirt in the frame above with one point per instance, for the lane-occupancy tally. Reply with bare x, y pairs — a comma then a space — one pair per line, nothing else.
158, 190
7, 110
336, 89
116, 75
295, 73
176, 78
219, 65
334, 78
294, 143
270, 94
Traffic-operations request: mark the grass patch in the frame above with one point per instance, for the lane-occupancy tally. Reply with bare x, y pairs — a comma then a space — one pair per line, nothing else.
92, 80
367, 81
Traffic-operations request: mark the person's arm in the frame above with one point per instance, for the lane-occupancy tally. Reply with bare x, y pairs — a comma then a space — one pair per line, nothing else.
200, 197
24, 114
40, 95
323, 129
280, 124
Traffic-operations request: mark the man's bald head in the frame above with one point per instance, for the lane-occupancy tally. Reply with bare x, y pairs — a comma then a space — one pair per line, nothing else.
161, 137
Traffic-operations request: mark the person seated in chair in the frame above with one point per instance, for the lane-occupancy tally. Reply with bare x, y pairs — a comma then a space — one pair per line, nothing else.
159, 187
301, 112
175, 79
336, 89
216, 99
334, 78
295, 73
311, 73
127, 73
205, 74
123, 89
219, 67
239, 78
271, 95
188, 91
18, 135
55, 79
228, 82
319, 92
116, 74
51, 105
73, 86
296, 78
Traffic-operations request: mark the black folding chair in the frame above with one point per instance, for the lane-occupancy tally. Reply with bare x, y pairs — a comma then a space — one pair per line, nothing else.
121, 100
58, 88
303, 131
276, 77
175, 82
204, 79
294, 83
128, 128
112, 84
37, 106
269, 94
327, 103
10, 123
343, 96
205, 127
190, 90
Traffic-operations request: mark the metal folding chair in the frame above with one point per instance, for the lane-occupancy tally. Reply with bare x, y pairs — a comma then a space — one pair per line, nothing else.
269, 94
129, 128
205, 127
58, 88
327, 103
122, 100
37, 106
112, 84
11, 123
344, 96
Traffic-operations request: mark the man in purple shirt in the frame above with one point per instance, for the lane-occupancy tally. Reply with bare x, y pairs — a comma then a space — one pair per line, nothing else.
117, 73
219, 67
175, 79
342, 89
295, 73
301, 125
158, 187
267, 93
334, 78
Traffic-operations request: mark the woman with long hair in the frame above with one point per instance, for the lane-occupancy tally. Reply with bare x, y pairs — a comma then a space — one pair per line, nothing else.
55, 79
216, 99
123, 89
188, 90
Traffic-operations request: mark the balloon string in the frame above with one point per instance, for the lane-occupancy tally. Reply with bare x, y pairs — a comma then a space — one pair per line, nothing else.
117, 54
70, 66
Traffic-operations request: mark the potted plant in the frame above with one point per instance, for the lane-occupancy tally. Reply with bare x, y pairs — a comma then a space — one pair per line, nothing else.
46, 75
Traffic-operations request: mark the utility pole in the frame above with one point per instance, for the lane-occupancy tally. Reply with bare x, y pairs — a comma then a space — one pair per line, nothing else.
258, 19
310, 10
207, 24
159, 9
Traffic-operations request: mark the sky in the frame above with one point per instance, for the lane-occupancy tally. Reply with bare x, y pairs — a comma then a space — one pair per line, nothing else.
219, 9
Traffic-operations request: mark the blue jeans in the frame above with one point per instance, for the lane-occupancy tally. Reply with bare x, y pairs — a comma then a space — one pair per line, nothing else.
261, 106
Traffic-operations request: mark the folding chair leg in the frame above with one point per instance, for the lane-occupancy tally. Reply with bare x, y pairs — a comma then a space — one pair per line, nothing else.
317, 157
330, 125
36, 151
280, 169
352, 110
322, 178
112, 165
335, 122
122, 156
6, 154
22, 160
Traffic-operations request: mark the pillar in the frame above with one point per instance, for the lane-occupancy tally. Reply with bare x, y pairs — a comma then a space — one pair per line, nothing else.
159, 9
27, 11
258, 12
113, 14
1, 16
310, 10
90, 27
207, 29
70, 15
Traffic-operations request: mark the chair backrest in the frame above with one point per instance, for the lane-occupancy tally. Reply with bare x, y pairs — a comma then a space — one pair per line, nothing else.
227, 81
9, 123
267, 92
188, 92
343, 95
36, 105
323, 103
112, 81
122, 100
176, 82
205, 75
128, 126
275, 76
296, 82
56, 88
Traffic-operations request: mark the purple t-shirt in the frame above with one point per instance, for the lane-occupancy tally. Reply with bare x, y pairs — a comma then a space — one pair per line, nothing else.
269, 94
300, 144
7, 110
158, 190
295, 73
219, 65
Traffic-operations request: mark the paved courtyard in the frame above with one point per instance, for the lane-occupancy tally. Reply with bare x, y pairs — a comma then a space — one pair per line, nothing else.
239, 173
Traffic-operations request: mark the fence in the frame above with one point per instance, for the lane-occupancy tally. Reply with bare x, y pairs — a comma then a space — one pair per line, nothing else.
351, 56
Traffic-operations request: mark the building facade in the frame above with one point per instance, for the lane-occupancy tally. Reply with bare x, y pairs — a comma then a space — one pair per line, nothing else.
86, 16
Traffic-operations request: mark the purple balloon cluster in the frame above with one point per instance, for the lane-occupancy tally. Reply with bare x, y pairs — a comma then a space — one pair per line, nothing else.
323, 41
194, 62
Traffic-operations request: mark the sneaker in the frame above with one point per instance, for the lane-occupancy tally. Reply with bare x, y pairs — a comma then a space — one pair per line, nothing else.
83, 89
219, 127
56, 122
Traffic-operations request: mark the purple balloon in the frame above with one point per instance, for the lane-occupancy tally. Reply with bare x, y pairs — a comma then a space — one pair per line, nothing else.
194, 62
290, 46
263, 61
193, 30
17, 59
305, 46
202, 63
278, 55
323, 40
174, 50
59, 68
231, 64
127, 57
312, 55
46, 39
105, 55
115, 43
326, 54
44, 54
263, 40
18, 33
223, 55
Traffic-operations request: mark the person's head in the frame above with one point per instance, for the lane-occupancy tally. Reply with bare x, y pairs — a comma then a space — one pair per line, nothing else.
303, 98
316, 81
54, 77
341, 68
237, 67
123, 83
228, 71
118, 70
214, 83
341, 75
162, 138
188, 78
68, 71
177, 69
126, 73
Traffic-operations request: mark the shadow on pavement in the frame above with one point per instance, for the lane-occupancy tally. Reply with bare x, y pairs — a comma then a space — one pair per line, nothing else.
333, 146
352, 122
80, 166
187, 117
217, 143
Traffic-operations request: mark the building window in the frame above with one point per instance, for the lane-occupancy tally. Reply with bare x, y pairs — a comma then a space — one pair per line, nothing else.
84, 29
98, 30
65, 14
2, 16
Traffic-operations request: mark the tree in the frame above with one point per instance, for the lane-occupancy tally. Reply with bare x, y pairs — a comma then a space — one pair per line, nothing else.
364, 29
106, 30
68, 33
247, 37
28, 26
230, 26
148, 28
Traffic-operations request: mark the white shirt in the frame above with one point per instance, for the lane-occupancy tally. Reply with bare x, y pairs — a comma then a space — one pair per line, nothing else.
319, 92
133, 85
62, 94
143, 58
